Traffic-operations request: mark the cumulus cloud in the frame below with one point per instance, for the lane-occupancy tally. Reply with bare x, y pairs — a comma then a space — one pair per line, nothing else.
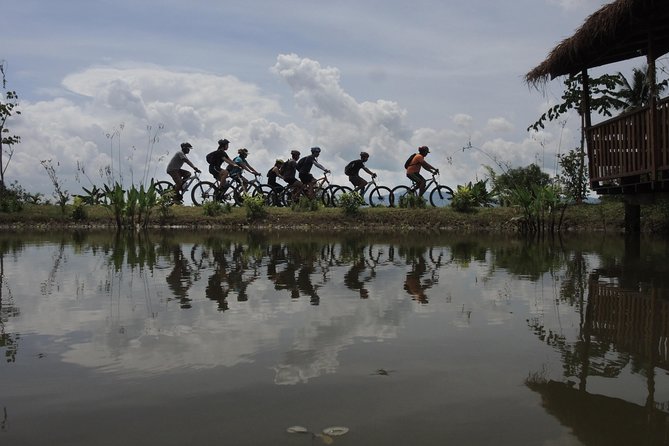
133, 117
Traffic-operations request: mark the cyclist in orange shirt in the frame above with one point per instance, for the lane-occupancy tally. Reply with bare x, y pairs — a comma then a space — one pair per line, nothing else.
417, 162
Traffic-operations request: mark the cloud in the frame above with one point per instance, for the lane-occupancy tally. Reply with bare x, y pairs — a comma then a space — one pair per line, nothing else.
132, 117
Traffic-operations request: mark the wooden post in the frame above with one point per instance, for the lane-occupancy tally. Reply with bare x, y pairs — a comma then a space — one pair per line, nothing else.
586, 122
632, 218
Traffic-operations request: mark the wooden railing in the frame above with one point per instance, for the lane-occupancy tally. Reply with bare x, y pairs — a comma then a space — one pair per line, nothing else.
632, 147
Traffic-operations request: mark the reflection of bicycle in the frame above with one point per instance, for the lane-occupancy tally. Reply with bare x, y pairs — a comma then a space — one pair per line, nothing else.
379, 196
440, 195
163, 187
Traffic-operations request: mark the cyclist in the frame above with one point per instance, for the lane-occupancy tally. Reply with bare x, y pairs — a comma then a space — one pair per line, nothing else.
215, 160
178, 174
272, 175
240, 163
352, 169
288, 171
304, 168
417, 161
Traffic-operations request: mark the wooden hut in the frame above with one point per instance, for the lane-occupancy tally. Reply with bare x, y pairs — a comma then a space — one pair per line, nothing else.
628, 154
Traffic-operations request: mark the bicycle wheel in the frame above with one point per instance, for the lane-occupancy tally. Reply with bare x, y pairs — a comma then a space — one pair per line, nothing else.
397, 193
203, 191
441, 196
323, 195
381, 196
335, 194
252, 190
163, 186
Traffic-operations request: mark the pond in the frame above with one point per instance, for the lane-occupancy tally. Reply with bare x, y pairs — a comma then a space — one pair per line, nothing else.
185, 337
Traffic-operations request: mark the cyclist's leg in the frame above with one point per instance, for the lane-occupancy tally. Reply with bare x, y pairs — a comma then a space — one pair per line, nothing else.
359, 184
419, 182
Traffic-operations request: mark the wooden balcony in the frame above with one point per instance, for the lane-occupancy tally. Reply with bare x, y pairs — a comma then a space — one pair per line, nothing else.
630, 153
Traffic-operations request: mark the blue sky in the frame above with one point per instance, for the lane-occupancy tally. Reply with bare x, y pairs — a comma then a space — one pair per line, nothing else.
380, 76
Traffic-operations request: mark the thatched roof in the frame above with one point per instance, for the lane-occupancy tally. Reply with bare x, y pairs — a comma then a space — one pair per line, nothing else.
621, 30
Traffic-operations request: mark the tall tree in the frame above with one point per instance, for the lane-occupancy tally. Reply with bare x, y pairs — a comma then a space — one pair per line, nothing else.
637, 93
8, 106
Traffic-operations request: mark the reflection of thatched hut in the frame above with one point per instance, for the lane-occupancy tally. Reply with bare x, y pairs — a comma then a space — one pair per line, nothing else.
600, 420
628, 154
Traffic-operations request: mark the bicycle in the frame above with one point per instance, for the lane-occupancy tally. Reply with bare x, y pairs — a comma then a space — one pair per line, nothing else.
379, 196
322, 191
231, 192
440, 196
163, 187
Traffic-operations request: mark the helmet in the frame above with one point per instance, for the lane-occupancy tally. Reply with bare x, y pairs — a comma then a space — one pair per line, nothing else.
315, 150
295, 152
423, 150
243, 151
223, 142
364, 155
186, 145
278, 162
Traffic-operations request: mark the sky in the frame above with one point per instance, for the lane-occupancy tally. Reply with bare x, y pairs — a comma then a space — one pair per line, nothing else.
118, 85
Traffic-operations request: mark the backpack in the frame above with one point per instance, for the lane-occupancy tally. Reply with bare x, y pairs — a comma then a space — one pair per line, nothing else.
301, 163
210, 157
407, 163
348, 170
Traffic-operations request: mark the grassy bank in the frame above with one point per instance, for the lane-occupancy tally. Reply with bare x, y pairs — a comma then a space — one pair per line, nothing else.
607, 216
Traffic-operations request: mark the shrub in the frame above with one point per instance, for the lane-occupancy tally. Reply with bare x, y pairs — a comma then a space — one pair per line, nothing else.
306, 204
255, 207
413, 201
10, 201
79, 210
213, 208
350, 202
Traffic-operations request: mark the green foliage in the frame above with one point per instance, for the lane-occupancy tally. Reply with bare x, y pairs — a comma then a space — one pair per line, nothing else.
255, 207
350, 202
604, 98
116, 202
213, 208
79, 210
164, 203
520, 178
574, 175
9, 101
94, 195
638, 93
471, 196
61, 195
306, 204
10, 200
412, 201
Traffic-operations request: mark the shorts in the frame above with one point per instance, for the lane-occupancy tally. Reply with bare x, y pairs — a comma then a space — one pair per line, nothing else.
307, 178
416, 177
215, 171
357, 181
290, 181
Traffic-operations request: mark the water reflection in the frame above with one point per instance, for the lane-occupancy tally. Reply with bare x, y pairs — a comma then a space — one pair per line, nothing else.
305, 306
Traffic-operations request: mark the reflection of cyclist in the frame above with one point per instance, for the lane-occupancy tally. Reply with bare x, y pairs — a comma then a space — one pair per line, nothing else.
413, 169
412, 282
288, 172
175, 171
235, 170
304, 168
352, 169
179, 279
352, 277
216, 159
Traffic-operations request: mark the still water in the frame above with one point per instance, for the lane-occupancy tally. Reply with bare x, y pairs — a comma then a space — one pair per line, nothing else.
209, 338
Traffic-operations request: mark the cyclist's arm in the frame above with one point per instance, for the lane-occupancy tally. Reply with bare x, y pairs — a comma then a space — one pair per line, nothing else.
248, 167
369, 171
192, 165
429, 167
229, 161
317, 164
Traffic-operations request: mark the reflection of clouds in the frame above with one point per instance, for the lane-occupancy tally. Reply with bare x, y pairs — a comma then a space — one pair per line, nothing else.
129, 320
